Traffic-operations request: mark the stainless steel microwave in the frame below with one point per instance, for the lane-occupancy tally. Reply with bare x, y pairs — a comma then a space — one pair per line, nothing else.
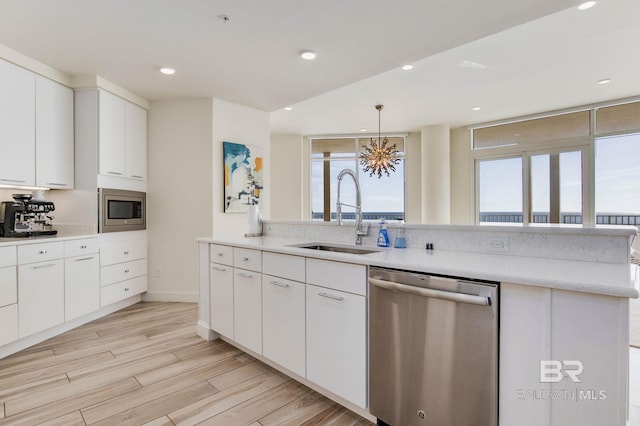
120, 210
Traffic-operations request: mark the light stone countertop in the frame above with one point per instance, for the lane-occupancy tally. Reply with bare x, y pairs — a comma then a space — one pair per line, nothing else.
607, 279
61, 236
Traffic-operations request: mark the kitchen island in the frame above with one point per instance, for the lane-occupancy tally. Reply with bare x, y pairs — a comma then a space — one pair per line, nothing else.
563, 322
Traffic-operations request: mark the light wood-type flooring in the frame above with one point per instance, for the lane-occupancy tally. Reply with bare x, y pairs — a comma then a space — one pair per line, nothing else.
144, 365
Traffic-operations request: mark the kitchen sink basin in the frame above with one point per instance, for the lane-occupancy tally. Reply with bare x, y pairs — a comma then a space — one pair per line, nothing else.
336, 248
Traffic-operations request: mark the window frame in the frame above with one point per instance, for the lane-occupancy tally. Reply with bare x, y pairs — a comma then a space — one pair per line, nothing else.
356, 159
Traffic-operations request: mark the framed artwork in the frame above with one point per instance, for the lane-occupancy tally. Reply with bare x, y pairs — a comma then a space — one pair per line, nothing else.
243, 170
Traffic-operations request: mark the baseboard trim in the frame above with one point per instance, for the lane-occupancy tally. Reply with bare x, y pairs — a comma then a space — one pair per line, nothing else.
161, 296
203, 330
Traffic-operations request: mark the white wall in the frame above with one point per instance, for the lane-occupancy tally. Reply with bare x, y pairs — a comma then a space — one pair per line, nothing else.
462, 177
287, 159
244, 125
179, 195
436, 165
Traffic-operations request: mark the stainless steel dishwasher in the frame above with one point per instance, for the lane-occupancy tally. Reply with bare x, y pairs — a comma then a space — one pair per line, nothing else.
433, 349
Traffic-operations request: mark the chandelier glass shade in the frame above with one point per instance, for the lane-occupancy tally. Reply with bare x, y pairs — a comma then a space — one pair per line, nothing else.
378, 156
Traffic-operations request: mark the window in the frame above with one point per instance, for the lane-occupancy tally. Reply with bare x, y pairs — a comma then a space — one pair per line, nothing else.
380, 197
618, 180
500, 190
568, 168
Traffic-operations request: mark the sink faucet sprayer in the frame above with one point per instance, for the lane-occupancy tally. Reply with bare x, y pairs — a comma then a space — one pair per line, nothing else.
359, 231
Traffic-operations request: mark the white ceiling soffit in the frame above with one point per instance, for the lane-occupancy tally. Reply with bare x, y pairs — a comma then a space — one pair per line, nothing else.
252, 60
548, 64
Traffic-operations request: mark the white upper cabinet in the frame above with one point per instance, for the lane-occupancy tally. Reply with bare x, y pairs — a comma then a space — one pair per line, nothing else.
135, 142
54, 134
17, 125
123, 137
111, 130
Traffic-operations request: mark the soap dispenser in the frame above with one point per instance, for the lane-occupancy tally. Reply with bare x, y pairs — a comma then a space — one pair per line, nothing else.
383, 235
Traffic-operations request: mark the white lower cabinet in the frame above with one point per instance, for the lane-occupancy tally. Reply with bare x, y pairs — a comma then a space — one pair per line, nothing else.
336, 336
283, 323
122, 290
9, 321
247, 309
123, 266
81, 286
40, 296
221, 303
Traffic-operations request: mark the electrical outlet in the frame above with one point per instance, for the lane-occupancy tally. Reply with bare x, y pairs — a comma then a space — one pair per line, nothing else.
497, 244
156, 273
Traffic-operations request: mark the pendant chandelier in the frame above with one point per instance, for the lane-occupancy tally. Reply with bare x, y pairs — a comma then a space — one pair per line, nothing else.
377, 156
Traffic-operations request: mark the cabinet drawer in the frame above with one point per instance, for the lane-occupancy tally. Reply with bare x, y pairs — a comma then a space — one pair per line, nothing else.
340, 276
7, 256
111, 254
30, 253
122, 271
81, 247
8, 286
284, 265
9, 321
122, 290
221, 254
247, 259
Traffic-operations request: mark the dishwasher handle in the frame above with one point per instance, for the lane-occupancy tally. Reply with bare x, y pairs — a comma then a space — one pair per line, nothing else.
428, 292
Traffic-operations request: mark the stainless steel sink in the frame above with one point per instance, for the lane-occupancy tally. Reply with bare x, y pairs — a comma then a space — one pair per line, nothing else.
336, 248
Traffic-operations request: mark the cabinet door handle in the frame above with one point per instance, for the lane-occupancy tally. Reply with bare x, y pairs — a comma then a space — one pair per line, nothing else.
13, 180
279, 284
242, 274
217, 268
43, 252
331, 296
84, 258
115, 173
137, 176
48, 265
56, 184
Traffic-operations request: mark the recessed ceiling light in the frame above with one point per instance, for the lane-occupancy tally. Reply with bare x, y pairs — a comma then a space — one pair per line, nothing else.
308, 55
407, 67
288, 108
587, 5
363, 130
604, 81
224, 19
475, 108
167, 71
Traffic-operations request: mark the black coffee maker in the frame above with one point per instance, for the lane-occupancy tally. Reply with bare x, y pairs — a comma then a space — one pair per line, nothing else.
25, 217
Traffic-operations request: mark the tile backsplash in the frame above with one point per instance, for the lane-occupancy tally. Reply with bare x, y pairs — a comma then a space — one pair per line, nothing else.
591, 244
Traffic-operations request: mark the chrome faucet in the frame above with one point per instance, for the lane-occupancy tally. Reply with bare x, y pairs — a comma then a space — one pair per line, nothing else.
359, 231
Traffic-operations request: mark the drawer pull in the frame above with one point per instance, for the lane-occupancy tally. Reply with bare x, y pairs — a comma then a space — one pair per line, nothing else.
279, 284
331, 296
245, 259
220, 254
48, 265
83, 247
126, 289
242, 274
217, 268
84, 258
126, 252
126, 271
43, 252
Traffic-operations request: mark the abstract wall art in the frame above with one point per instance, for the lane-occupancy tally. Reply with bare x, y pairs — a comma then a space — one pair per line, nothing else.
243, 170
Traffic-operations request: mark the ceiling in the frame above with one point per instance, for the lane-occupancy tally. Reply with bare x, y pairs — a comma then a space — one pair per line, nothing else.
510, 58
